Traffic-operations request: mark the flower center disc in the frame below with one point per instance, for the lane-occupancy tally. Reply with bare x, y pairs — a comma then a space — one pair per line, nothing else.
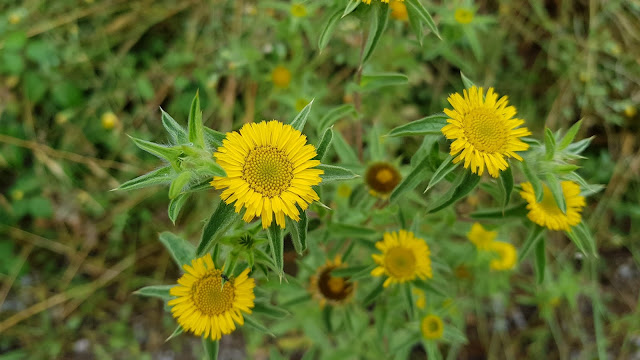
268, 171
333, 287
485, 130
211, 297
400, 262
382, 177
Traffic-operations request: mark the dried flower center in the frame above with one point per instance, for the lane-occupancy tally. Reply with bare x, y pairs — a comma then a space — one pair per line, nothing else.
382, 177
485, 130
210, 296
268, 170
548, 203
334, 287
400, 262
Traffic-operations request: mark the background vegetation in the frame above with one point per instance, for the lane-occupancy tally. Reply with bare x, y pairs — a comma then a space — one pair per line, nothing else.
77, 76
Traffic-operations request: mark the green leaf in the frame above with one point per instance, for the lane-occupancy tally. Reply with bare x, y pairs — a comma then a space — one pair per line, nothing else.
429, 287
324, 144
214, 137
549, 144
468, 84
343, 149
352, 271
270, 310
586, 189
417, 175
168, 153
351, 6
175, 333
299, 232
459, 189
406, 287
373, 294
567, 139
274, 233
335, 173
336, 114
379, 19
579, 146
327, 31
178, 184
430, 125
301, 119
326, 318
556, 191
157, 291
443, 170
219, 222
416, 25
415, 6
34, 87
532, 239
518, 211
195, 127
211, 348
376, 81
348, 230
180, 249
176, 132
506, 185
541, 260
175, 205
256, 325
534, 180
584, 240
156, 177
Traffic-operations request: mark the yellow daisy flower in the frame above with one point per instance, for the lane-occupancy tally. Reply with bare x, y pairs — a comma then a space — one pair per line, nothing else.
404, 257
507, 256
547, 213
382, 178
109, 120
269, 171
463, 16
333, 290
384, 1
399, 10
281, 77
484, 131
206, 307
298, 10
480, 237
432, 327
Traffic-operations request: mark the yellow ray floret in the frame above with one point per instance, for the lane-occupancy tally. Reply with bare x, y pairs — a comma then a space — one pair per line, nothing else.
384, 1
484, 131
269, 169
481, 237
404, 258
506, 256
206, 307
547, 213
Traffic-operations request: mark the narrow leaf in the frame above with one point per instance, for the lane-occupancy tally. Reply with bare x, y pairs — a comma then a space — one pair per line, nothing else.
373, 294
270, 310
256, 325
506, 185
348, 230
417, 175
168, 153
579, 146
213, 137
211, 348
415, 21
327, 31
584, 240
324, 144
335, 114
556, 191
429, 125
443, 170
180, 249
519, 210
160, 176
541, 261
549, 144
335, 173
352, 271
220, 221
175, 333
460, 189
468, 84
301, 119
274, 232
379, 19
175, 205
176, 132
178, 184
157, 291
343, 149
567, 139
532, 239
534, 180
375, 81
417, 7
351, 6
195, 127
299, 232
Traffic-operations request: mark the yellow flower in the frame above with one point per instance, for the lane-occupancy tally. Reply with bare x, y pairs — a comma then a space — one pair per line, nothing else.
484, 131
630, 111
421, 300
298, 10
369, 1
546, 213
333, 290
269, 171
206, 307
281, 77
15, 18
109, 120
404, 257
382, 178
507, 256
399, 10
432, 327
463, 16
480, 237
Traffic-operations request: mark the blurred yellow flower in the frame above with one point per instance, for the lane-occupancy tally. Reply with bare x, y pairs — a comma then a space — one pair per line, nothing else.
369, 1
404, 258
281, 77
507, 256
463, 16
17, 195
109, 120
547, 213
432, 327
421, 300
480, 237
382, 178
14, 18
298, 10
328, 289
484, 131
399, 10
207, 307
630, 111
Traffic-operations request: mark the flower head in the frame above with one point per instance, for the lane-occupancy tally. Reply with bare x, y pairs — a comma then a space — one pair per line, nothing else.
298, 10
109, 120
281, 77
404, 258
480, 237
507, 256
382, 178
384, 1
330, 289
484, 130
463, 16
547, 213
399, 10
432, 327
204, 306
269, 171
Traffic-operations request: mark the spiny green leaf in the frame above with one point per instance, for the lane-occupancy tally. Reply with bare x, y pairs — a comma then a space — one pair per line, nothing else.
327, 31
324, 144
157, 291
176, 132
430, 125
175, 205
336, 114
213, 137
567, 139
378, 21
160, 176
549, 144
274, 232
195, 127
352, 271
299, 232
506, 185
249, 320
415, 6
443, 170
220, 221
168, 153
301, 119
178, 184
373, 294
335, 173
180, 249
584, 240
